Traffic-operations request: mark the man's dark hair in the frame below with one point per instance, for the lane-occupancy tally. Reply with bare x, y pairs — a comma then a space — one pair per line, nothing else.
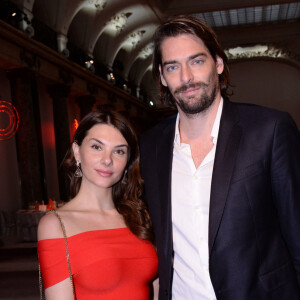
194, 26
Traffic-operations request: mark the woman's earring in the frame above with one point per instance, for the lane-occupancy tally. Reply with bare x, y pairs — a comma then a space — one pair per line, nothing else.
78, 172
124, 179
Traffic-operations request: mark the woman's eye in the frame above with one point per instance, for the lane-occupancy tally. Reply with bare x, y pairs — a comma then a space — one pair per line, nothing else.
96, 147
120, 151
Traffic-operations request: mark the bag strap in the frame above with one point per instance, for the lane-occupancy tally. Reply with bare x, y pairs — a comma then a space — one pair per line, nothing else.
68, 259
41, 283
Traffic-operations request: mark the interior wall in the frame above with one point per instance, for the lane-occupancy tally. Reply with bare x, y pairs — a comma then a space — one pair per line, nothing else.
10, 196
270, 83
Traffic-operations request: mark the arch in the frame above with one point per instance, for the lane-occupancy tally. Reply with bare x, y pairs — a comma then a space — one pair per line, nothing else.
112, 9
138, 22
131, 49
139, 69
57, 14
135, 55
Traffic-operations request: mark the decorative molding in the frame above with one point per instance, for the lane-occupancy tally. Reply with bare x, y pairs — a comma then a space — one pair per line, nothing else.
30, 60
112, 99
92, 88
66, 77
58, 91
147, 51
99, 4
62, 69
135, 38
119, 21
85, 103
62, 41
239, 53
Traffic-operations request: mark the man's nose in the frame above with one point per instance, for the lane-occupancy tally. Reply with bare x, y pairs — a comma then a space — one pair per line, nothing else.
186, 74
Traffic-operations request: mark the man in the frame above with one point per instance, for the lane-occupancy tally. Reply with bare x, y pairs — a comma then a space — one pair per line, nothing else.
222, 180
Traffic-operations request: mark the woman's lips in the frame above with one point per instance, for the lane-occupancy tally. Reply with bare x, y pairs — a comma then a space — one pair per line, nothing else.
104, 173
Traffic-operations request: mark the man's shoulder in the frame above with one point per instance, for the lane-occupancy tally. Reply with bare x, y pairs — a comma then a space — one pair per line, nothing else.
158, 129
254, 112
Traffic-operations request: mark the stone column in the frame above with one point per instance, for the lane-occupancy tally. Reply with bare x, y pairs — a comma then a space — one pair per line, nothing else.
28, 137
85, 103
59, 94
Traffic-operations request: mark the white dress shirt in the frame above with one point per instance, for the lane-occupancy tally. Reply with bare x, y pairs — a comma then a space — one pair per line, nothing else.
190, 213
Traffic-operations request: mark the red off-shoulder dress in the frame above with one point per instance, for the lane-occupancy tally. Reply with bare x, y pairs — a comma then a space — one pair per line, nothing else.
105, 264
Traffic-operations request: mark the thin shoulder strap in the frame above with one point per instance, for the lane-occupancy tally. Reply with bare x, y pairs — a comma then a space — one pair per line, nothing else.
68, 259
67, 249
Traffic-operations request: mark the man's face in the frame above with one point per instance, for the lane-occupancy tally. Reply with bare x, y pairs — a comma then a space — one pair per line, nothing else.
190, 73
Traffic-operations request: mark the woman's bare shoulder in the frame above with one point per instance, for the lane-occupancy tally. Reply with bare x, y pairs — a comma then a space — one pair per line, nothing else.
49, 227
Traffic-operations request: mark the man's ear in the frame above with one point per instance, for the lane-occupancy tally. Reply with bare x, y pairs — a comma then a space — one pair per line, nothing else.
219, 65
75, 149
162, 79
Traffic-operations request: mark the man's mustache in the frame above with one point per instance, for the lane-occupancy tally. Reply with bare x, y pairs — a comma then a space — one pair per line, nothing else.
184, 87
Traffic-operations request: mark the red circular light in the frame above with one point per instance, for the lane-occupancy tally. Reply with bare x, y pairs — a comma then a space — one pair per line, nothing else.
9, 131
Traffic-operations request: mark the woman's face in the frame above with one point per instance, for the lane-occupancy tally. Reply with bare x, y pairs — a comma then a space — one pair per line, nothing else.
103, 156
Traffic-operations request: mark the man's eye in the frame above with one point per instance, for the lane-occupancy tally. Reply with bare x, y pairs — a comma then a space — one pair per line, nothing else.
171, 68
198, 61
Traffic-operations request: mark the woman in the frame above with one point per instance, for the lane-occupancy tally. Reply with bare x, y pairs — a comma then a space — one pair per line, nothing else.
108, 229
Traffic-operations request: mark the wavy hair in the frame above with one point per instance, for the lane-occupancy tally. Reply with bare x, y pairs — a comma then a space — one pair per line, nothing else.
126, 197
194, 26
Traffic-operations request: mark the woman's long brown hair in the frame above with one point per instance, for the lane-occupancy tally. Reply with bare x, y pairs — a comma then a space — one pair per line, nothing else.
126, 197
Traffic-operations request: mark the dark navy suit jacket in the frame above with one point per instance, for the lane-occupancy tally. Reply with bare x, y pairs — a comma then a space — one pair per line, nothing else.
254, 218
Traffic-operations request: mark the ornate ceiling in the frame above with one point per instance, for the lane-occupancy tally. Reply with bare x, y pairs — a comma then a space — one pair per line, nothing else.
116, 35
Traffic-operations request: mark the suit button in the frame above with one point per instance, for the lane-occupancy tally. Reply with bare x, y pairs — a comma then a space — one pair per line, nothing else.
166, 292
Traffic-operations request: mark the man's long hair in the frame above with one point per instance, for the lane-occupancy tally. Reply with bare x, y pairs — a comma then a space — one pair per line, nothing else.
193, 26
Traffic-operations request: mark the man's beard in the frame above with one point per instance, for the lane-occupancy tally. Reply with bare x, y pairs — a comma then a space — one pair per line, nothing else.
204, 101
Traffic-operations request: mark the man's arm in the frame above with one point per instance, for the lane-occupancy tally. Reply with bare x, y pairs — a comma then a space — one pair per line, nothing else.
285, 178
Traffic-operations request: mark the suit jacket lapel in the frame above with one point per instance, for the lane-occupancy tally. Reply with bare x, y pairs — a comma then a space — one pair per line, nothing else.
227, 148
164, 157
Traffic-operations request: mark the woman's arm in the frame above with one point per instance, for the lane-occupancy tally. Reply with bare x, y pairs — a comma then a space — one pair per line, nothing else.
155, 289
50, 228
60, 291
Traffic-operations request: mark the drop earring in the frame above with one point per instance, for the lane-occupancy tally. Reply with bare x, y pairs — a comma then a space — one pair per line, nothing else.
124, 179
78, 172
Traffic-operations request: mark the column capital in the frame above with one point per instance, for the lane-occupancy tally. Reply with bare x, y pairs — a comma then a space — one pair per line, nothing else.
57, 91
85, 103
